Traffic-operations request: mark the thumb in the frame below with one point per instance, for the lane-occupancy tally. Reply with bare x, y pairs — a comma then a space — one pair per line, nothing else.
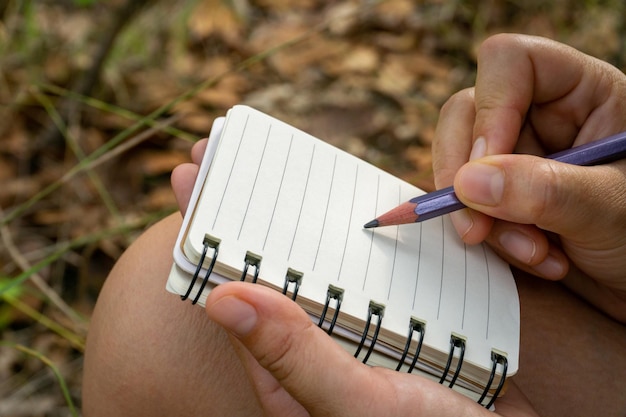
562, 198
284, 340
316, 371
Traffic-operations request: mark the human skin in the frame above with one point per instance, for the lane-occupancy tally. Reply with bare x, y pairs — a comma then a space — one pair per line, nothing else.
259, 354
154, 355
533, 95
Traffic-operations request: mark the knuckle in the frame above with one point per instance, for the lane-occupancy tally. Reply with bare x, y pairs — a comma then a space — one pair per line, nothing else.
551, 196
444, 176
497, 43
461, 98
284, 354
277, 359
451, 142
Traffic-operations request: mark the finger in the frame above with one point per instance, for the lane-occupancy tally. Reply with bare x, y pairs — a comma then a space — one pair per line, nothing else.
316, 371
453, 137
283, 339
451, 149
528, 248
184, 175
579, 203
197, 151
518, 82
272, 397
182, 179
508, 82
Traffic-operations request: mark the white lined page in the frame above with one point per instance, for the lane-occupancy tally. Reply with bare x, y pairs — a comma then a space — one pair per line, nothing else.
301, 203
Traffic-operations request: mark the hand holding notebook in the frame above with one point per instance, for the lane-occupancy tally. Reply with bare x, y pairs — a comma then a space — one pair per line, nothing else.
316, 375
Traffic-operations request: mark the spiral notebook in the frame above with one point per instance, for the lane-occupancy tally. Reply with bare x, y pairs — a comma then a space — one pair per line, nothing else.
276, 206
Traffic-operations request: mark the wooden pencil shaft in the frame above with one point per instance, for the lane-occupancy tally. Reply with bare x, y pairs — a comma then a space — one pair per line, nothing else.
445, 201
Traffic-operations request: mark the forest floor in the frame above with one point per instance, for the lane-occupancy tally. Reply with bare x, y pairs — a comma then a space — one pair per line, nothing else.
101, 99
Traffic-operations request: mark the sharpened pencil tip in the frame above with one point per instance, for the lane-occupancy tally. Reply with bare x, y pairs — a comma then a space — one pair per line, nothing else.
369, 225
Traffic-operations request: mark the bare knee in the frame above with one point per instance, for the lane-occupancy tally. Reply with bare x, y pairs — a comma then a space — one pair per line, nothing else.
148, 353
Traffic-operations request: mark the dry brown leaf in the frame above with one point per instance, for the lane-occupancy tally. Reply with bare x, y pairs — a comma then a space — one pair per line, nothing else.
425, 65
301, 57
396, 42
52, 216
215, 18
207, 68
154, 163
344, 126
360, 59
281, 6
393, 13
395, 78
225, 94
342, 18
199, 121
185, 108
156, 87
15, 140
159, 198
57, 68
17, 190
7, 169
420, 157
222, 99
599, 33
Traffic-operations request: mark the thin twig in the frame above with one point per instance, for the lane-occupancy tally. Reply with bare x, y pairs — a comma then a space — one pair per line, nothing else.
76, 340
62, 249
113, 109
94, 159
55, 370
135, 140
72, 143
36, 279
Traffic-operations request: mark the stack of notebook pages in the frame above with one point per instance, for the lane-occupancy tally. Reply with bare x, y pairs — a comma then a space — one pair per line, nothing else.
278, 207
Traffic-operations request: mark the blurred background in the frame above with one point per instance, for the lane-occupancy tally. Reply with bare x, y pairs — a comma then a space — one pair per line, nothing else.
100, 99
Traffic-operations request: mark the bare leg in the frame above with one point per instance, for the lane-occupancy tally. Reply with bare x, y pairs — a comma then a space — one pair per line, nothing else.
573, 358
150, 354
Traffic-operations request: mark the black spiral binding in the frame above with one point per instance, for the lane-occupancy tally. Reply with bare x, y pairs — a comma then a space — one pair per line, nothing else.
419, 326
254, 260
334, 293
496, 358
208, 242
456, 341
375, 309
293, 277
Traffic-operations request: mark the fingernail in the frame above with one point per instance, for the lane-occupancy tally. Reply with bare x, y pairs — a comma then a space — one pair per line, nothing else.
462, 221
518, 245
479, 149
235, 315
482, 183
551, 267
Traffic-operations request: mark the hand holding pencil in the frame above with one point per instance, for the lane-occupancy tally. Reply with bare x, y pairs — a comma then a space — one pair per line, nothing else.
444, 201
552, 219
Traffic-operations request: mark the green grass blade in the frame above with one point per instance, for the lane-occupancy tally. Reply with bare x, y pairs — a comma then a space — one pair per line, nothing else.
55, 370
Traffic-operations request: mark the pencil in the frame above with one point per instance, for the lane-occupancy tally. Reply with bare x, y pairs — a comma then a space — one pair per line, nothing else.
444, 201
